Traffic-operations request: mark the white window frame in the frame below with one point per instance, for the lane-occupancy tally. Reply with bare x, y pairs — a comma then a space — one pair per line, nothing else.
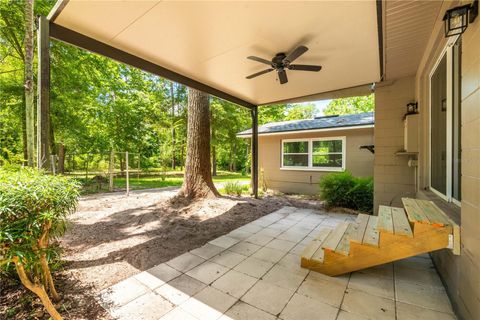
448, 53
310, 166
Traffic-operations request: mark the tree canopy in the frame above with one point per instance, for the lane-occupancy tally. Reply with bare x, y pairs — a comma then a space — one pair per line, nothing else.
350, 105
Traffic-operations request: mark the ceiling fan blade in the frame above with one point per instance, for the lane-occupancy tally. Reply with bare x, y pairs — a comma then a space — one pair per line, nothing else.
296, 53
261, 60
304, 67
282, 75
259, 73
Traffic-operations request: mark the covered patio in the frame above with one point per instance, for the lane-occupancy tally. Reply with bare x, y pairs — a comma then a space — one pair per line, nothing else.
391, 47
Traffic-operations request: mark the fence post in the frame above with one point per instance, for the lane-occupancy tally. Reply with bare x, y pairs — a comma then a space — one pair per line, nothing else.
126, 172
110, 171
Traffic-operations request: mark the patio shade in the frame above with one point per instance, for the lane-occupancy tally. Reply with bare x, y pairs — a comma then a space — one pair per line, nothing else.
208, 42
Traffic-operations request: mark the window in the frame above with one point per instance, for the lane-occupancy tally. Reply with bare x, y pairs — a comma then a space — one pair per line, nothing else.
445, 125
324, 154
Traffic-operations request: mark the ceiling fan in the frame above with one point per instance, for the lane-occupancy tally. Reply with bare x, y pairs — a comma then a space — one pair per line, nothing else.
281, 62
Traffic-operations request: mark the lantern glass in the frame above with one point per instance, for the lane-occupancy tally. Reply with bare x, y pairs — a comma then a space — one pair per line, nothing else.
456, 20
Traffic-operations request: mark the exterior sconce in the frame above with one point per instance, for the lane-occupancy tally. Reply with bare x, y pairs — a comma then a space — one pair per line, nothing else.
456, 20
412, 108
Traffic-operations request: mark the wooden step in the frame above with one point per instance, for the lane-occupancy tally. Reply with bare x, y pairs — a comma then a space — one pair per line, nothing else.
385, 220
401, 226
359, 228
414, 212
343, 246
371, 236
314, 246
335, 236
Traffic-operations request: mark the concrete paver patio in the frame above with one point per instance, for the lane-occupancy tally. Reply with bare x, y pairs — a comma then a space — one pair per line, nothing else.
254, 273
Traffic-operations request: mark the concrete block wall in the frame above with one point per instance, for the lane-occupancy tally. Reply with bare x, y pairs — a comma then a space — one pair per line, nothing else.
393, 179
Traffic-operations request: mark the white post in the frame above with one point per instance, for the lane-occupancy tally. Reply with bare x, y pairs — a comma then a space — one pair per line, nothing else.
52, 159
126, 172
110, 170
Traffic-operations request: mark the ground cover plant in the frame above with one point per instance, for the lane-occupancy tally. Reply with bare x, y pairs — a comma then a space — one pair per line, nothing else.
342, 189
33, 211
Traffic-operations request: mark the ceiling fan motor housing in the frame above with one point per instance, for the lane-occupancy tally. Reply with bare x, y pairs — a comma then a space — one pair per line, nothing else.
277, 61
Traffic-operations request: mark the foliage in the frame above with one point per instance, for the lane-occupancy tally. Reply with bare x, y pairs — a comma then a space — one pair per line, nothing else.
33, 210
350, 105
344, 190
235, 188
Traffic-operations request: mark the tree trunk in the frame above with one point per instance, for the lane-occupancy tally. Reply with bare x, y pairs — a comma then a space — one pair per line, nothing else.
214, 150
61, 158
198, 176
234, 162
173, 125
29, 94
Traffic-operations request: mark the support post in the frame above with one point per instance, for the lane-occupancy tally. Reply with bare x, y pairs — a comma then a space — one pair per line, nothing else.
254, 112
43, 100
126, 172
110, 170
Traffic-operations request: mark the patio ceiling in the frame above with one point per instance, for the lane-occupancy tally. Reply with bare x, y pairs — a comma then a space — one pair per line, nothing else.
208, 42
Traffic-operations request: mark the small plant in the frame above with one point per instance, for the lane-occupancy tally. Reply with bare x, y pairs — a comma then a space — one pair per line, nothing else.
344, 190
33, 211
235, 188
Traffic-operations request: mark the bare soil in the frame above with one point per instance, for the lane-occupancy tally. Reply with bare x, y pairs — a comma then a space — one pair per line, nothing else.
112, 237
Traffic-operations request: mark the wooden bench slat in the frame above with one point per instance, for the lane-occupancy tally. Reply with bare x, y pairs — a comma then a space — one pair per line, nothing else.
385, 222
344, 244
414, 212
401, 225
371, 236
334, 237
359, 228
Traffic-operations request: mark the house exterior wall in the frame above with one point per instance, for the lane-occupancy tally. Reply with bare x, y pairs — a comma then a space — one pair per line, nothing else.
393, 178
460, 274
358, 161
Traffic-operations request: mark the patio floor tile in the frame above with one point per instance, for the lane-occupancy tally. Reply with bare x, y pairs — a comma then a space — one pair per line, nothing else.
207, 251
245, 248
344, 315
252, 228
301, 307
269, 254
150, 306
415, 263
280, 244
254, 267
209, 303
324, 291
122, 293
427, 277
281, 277
164, 272
234, 283
207, 272
291, 262
243, 311
149, 280
268, 297
178, 314
383, 270
340, 280
270, 232
259, 239
185, 262
411, 312
228, 258
379, 286
423, 296
239, 234
224, 242
293, 236
368, 305
180, 289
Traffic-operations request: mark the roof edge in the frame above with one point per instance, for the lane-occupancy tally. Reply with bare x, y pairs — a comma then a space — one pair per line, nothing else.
353, 127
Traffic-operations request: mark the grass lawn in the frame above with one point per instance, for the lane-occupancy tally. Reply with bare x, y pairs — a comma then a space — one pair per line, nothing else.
150, 182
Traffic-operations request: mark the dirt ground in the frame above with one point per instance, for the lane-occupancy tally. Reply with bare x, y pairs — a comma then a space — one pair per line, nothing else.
112, 237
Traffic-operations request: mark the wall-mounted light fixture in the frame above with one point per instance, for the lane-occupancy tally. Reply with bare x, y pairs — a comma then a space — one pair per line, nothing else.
456, 20
412, 108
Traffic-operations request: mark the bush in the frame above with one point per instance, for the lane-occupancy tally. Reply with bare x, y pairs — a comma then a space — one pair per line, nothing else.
344, 190
235, 188
33, 210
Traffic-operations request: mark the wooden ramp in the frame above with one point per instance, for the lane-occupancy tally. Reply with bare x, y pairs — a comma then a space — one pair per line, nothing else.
394, 234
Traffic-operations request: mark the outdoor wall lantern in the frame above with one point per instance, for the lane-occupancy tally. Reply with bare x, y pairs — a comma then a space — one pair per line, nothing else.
456, 20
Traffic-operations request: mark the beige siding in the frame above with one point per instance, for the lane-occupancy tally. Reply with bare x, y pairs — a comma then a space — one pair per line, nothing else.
392, 178
358, 162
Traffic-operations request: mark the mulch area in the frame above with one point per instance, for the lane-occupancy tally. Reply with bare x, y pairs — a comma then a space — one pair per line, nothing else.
115, 238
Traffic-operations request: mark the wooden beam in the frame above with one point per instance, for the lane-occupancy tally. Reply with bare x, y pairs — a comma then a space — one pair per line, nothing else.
43, 100
79, 40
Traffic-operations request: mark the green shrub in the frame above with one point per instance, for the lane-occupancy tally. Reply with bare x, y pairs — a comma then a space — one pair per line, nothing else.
33, 210
344, 190
234, 188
